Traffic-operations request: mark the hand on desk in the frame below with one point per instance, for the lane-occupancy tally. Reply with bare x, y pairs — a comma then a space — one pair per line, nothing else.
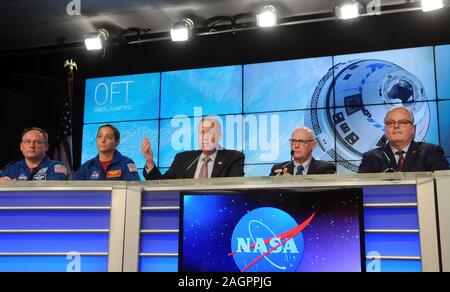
280, 172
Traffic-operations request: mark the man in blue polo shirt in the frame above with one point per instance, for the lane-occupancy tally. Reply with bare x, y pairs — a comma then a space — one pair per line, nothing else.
109, 163
36, 165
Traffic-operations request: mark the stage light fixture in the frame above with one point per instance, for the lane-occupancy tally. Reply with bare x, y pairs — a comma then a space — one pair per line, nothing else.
430, 5
348, 9
268, 17
182, 30
96, 40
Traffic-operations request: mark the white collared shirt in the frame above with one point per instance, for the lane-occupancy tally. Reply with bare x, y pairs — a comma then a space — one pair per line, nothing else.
210, 164
305, 166
397, 157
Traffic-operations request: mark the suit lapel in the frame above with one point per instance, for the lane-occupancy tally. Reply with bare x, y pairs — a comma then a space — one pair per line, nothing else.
290, 168
411, 156
312, 167
388, 151
218, 163
190, 173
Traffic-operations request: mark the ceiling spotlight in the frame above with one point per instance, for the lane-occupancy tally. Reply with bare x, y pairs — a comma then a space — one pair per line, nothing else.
268, 17
348, 9
96, 40
182, 30
430, 5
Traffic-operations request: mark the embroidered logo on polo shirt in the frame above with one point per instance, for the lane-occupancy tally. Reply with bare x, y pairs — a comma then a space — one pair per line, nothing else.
114, 174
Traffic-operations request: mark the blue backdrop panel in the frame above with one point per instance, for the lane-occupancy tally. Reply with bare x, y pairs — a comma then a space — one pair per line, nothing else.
443, 71
398, 266
132, 134
159, 243
158, 264
160, 220
416, 65
169, 199
257, 170
55, 199
444, 116
215, 90
48, 242
391, 218
10, 220
393, 244
391, 194
51, 264
290, 83
122, 98
266, 136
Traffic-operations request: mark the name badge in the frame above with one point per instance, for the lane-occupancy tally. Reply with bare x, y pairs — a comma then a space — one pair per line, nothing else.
114, 174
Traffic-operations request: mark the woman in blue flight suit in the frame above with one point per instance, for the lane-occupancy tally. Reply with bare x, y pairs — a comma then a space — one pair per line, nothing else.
109, 163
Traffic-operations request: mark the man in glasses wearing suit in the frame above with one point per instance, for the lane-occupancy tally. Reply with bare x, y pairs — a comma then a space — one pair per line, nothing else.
303, 142
401, 153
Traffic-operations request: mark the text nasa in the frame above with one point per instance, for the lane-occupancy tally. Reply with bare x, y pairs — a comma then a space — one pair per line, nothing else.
244, 246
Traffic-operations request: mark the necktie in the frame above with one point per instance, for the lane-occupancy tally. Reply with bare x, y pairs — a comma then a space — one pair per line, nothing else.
401, 160
300, 169
204, 169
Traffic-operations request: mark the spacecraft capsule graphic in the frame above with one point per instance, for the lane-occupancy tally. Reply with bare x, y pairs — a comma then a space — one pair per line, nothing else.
351, 101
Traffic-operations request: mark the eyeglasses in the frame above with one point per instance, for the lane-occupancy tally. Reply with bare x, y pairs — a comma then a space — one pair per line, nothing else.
401, 123
300, 142
33, 142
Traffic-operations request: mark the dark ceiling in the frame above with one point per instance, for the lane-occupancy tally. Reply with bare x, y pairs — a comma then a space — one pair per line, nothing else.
28, 24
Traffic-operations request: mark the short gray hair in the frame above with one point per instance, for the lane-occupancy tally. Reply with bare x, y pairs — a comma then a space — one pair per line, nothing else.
306, 129
400, 107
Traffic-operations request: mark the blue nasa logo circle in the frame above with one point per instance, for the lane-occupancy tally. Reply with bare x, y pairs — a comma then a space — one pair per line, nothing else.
261, 242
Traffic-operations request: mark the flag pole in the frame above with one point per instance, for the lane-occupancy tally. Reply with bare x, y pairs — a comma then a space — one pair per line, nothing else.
64, 149
70, 65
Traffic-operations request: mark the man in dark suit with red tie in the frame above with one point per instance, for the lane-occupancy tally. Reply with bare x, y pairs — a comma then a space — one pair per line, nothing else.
208, 162
303, 142
401, 153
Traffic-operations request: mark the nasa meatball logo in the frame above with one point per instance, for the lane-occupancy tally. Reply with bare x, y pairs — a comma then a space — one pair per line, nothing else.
268, 240
347, 92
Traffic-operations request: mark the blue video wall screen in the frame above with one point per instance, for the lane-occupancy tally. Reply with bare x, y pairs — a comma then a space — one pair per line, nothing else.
343, 99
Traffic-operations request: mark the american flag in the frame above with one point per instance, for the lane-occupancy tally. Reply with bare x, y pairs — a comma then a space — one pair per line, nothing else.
64, 137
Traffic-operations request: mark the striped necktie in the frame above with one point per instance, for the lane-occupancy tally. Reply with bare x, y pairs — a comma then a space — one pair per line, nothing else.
401, 161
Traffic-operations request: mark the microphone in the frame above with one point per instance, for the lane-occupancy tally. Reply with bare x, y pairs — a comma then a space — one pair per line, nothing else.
389, 161
190, 165
287, 163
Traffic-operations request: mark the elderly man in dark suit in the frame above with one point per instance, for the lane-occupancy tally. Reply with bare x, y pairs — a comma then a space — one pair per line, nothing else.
208, 162
303, 142
401, 153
